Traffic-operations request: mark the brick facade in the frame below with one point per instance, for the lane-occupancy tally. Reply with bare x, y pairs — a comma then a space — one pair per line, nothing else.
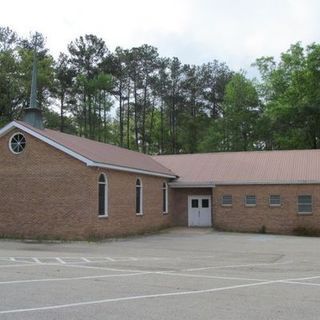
179, 203
262, 217
47, 194
284, 219
44, 193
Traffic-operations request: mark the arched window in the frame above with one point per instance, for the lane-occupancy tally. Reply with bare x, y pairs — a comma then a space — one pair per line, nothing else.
139, 197
165, 198
103, 195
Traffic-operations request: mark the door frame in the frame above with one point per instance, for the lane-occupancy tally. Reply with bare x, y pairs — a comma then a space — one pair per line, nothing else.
209, 197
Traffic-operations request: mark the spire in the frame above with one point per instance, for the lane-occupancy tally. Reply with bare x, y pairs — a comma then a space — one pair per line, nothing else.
33, 95
33, 114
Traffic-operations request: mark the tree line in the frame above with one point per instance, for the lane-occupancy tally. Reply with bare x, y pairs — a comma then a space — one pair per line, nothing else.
137, 99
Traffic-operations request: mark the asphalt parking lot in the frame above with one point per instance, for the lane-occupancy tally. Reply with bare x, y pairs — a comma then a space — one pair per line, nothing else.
177, 274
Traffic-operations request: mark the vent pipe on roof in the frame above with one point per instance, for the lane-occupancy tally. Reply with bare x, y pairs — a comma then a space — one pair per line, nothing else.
33, 114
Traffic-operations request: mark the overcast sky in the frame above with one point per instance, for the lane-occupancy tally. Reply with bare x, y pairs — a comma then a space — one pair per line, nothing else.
196, 31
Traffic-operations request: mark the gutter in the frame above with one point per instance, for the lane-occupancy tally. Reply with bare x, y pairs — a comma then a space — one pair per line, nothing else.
177, 185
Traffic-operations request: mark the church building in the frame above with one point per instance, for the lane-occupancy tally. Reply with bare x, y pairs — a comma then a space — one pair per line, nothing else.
59, 186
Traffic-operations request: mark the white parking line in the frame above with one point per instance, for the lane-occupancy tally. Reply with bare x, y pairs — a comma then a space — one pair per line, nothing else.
110, 259
151, 296
73, 278
210, 277
238, 266
19, 265
17, 260
60, 260
303, 283
160, 295
305, 278
103, 268
260, 282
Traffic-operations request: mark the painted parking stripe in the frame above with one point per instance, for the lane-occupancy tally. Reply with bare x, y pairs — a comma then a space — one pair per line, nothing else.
151, 296
239, 266
302, 283
60, 260
19, 265
210, 277
73, 278
103, 268
109, 259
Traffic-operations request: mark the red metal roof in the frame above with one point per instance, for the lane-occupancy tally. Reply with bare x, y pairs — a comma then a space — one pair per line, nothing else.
296, 166
103, 153
292, 166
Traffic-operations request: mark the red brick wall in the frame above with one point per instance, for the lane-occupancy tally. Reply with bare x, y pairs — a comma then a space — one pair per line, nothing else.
282, 219
46, 193
179, 203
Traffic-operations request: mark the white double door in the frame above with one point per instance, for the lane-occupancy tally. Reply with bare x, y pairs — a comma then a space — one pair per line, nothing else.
199, 211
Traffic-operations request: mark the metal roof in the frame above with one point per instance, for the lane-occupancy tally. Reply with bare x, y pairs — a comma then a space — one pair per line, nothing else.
93, 153
254, 167
202, 170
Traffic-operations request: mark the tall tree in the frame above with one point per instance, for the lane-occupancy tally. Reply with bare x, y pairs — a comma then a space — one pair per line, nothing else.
236, 129
64, 77
291, 92
87, 54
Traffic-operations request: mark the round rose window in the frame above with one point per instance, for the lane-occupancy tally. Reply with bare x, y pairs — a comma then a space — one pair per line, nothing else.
17, 143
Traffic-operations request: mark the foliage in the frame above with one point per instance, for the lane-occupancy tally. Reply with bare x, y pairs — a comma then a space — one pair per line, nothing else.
291, 91
137, 99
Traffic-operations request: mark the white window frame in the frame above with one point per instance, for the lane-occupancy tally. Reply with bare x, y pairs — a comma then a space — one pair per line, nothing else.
250, 204
298, 203
165, 188
141, 197
226, 204
106, 195
275, 204
10, 148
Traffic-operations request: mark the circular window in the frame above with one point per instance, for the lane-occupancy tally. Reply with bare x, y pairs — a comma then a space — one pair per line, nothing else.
17, 143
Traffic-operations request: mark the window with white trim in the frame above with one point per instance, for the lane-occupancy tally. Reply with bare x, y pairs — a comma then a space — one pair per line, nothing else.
165, 197
103, 195
274, 200
304, 204
139, 197
226, 200
17, 143
251, 200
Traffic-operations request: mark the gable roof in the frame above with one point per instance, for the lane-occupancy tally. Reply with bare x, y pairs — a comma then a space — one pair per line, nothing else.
256, 167
93, 153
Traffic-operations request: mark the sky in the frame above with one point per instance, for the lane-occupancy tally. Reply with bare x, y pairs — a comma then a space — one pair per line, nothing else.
195, 31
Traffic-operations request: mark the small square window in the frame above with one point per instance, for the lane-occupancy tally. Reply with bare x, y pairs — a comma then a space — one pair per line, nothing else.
305, 204
205, 203
195, 203
226, 200
251, 200
275, 200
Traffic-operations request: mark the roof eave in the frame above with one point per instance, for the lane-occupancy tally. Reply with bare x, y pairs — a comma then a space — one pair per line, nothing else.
190, 184
265, 182
129, 169
180, 185
87, 161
